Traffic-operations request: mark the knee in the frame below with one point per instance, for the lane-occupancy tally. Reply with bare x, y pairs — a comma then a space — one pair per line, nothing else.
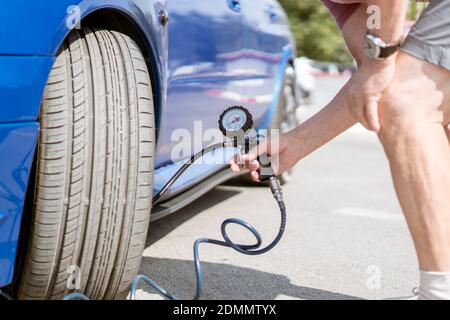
397, 115
398, 123
412, 102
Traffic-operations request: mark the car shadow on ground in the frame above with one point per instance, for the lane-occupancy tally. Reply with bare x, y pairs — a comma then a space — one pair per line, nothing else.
160, 228
227, 282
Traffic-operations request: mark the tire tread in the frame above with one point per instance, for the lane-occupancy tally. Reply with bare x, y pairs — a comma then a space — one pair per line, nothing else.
97, 138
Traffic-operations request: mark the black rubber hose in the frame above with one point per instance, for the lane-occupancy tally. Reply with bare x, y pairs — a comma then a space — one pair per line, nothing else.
252, 249
183, 168
242, 248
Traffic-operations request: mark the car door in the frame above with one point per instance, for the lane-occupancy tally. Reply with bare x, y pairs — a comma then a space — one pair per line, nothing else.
204, 76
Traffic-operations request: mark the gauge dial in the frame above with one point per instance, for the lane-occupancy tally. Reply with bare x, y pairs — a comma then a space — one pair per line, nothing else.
235, 121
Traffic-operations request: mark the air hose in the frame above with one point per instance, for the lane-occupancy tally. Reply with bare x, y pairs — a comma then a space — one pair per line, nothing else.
265, 173
253, 249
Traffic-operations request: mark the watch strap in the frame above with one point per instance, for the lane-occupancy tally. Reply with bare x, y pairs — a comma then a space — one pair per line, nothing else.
388, 51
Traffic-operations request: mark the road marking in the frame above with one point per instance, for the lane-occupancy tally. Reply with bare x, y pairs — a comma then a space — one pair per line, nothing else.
371, 214
286, 297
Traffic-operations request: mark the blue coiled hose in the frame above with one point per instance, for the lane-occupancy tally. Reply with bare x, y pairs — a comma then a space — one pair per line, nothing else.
242, 248
253, 249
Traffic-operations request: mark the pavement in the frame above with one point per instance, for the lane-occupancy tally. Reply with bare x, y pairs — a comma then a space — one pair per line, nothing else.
346, 237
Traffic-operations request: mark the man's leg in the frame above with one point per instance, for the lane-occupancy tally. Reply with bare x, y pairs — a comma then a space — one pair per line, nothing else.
414, 111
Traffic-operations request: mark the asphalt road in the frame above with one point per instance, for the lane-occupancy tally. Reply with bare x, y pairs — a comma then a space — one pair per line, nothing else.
346, 237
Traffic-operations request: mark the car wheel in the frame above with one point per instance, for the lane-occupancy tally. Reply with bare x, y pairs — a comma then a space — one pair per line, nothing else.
285, 118
93, 189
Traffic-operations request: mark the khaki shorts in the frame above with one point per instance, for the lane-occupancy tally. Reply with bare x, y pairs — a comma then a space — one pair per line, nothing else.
429, 38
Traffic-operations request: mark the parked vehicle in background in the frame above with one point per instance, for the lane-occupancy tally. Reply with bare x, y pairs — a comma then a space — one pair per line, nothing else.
326, 68
305, 79
92, 92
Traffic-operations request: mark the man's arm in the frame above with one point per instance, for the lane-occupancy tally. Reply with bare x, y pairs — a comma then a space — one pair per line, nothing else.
336, 117
331, 121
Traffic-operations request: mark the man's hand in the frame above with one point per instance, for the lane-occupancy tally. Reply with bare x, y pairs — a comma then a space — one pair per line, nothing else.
284, 153
366, 89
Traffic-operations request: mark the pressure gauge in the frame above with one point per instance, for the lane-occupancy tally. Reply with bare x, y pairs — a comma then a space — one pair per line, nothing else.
235, 121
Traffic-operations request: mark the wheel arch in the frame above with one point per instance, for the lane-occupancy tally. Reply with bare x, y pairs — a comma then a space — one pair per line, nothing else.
27, 54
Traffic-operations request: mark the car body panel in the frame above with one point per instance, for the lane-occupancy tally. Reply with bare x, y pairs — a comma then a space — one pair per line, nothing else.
40, 27
17, 145
269, 49
210, 56
214, 162
210, 69
22, 81
199, 68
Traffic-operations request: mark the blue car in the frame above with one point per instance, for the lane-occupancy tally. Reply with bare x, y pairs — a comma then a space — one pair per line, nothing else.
91, 93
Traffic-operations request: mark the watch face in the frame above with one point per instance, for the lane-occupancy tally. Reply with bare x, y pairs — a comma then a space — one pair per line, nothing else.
371, 49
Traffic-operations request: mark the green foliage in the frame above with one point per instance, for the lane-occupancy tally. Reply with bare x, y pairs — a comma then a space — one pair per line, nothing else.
415, 9
315, 31
412, 12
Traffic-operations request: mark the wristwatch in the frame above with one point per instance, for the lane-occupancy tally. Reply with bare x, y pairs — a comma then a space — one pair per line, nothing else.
377, 49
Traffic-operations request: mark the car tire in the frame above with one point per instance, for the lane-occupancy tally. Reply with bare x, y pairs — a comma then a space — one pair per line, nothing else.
94, 171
